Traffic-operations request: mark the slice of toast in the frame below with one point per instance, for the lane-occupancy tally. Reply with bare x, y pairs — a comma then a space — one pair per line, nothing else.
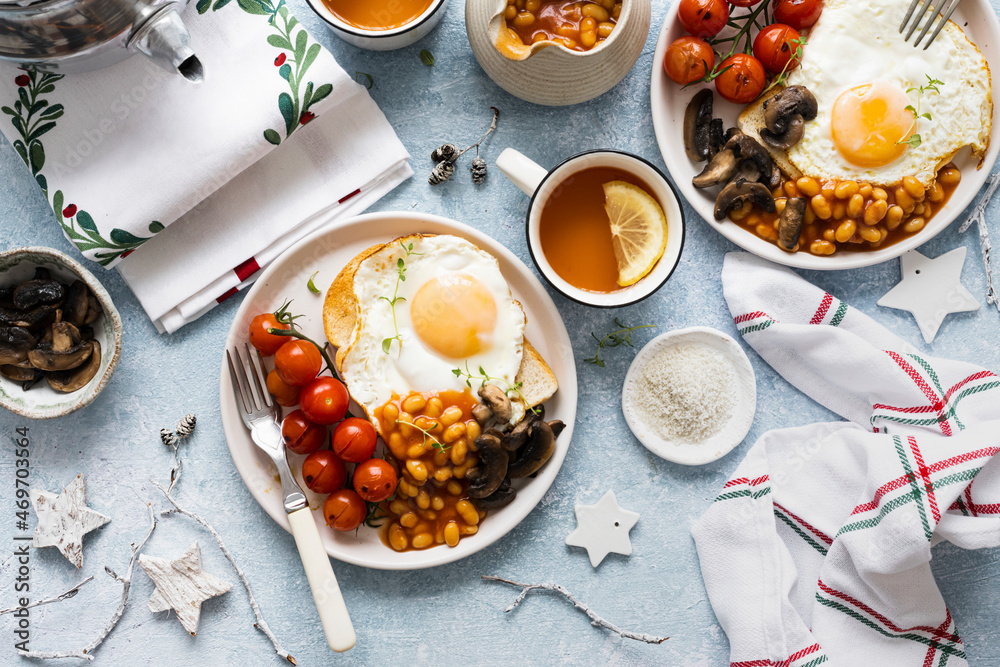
751, 122
340, 314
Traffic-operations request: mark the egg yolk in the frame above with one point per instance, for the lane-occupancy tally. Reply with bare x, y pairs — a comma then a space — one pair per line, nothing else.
454, 315
869, 122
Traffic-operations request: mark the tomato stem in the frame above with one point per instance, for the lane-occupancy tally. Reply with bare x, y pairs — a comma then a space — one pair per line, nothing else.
298, 334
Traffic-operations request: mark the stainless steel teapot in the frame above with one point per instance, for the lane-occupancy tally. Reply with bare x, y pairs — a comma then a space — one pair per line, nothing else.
81, 35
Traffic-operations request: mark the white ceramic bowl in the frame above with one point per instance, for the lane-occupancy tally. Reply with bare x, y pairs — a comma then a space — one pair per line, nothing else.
669, 100
552, 74
539, 183
731, 433
41, 401
382, 40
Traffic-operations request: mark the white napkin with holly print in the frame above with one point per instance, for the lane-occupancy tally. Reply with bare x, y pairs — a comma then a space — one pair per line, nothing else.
189, 189
817, 549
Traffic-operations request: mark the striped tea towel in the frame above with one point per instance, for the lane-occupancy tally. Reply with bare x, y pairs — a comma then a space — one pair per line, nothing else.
817, 550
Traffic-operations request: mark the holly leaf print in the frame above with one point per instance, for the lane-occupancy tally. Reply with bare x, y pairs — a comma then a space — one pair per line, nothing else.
286, 106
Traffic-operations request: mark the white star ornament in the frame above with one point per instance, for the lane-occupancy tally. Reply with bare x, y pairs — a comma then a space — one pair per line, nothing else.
63, 520
182, 585
603, 528
931, 289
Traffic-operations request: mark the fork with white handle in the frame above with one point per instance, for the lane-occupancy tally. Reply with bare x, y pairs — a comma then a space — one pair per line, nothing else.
262, 416
942, 8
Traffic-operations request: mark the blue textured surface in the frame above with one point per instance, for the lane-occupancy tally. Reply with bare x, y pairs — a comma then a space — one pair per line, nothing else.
444, 615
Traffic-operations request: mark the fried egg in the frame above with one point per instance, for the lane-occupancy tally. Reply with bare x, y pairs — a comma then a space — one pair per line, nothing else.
864, 76
453, 310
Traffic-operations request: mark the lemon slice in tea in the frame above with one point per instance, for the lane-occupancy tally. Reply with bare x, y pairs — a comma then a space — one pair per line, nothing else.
638, 230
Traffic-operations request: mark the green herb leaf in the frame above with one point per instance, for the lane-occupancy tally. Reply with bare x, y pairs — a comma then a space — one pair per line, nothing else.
427, 58
311, 285
370, 81
387, 345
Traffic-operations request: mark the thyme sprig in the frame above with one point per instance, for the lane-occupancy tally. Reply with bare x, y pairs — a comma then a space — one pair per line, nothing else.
484, 377
620, 336
796, 58
438, 445
932, 86
400, 278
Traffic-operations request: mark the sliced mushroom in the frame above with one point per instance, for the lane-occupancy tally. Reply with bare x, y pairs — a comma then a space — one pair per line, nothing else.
719, 169
87, 332
18, 373
519, 434
70, 381
540, 448
492, 470
36, 292
498, 402
33, 319
65, 336
7, 297
499, 498
45, 358
790, 223
482, 413
746, 171
739, 148
737, 195
775, 179
93, 309
557, 426
698, 126
76, 304
785, 115
15, 343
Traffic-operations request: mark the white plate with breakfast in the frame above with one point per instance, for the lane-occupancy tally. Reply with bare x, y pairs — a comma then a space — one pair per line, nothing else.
877, 144
690, 395
427, 317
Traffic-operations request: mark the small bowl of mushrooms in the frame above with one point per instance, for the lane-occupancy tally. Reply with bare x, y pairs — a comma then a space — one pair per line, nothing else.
60, 334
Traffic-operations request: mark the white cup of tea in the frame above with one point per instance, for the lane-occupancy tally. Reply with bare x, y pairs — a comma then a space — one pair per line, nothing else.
570, 241
390, 24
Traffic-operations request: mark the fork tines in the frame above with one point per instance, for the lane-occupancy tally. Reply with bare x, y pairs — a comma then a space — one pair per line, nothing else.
929, 9
250, 395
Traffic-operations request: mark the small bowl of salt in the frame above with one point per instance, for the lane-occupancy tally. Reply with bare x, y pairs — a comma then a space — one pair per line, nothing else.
690, 395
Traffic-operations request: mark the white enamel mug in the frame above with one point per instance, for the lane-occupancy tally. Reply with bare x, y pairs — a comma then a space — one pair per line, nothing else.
539, 184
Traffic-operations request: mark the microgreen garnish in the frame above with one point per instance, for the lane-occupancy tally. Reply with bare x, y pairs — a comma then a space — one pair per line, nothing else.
400, 278
484, 377
796, 58
285, 317
311, 285
932, 85
438, 445
370, 81
427, 58
620, 336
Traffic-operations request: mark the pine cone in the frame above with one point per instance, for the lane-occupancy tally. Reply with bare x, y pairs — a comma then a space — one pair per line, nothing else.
445, 153
441, 173
186, 426
168, 437
478, 171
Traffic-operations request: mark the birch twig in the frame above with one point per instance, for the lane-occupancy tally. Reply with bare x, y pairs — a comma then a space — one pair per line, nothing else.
978, 216
260, 623
62, 596
87, 651
595, 620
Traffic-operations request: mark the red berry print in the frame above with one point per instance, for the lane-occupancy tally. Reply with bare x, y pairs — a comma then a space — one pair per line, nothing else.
306, 117
69, 211
280, 60
22, 80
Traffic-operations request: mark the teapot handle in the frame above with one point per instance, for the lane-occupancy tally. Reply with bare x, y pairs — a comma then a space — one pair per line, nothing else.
521, 171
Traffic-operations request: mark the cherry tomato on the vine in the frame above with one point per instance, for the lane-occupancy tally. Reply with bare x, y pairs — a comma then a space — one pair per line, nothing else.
374, 480
344, 510
354, 440
285, 394
301, 435
743, 78
775, 47
703, 18
266, 343
297, 362
323, 472
799, 14
324, 400
688, 59
743, 3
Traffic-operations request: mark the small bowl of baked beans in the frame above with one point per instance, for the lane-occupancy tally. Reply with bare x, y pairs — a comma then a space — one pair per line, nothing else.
557, 52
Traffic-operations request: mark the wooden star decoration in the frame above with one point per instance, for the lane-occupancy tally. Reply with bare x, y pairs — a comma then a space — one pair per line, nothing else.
182, 585
931, 289
603, 528
63, 520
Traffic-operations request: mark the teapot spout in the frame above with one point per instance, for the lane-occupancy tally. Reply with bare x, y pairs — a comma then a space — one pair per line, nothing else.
166, 41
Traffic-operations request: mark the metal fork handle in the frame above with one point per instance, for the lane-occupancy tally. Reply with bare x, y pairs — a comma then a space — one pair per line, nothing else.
267, 435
